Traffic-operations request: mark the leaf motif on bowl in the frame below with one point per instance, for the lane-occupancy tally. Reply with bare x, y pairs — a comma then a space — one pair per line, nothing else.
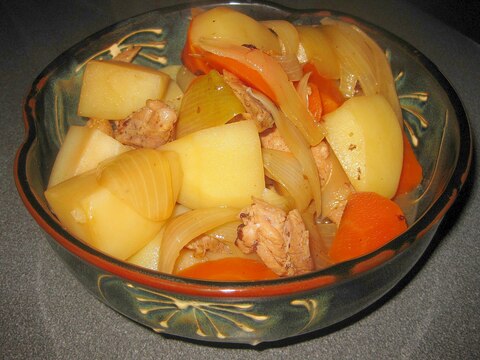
316, 308
221, 320
413, 105
154, 47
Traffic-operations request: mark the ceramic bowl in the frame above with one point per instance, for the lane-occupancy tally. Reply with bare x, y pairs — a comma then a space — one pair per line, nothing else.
251, 312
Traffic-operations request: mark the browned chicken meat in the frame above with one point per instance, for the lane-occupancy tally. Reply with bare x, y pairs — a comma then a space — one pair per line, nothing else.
278, 238
271, 139
149, 127
254, 109
205, 243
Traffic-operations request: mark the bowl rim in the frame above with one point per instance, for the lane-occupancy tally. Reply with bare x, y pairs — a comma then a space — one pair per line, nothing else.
277, 287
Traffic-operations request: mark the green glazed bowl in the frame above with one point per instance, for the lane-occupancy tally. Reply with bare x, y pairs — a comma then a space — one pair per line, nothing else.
248, 312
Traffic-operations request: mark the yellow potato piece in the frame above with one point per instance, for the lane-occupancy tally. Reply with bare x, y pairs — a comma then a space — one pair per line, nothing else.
366, 137
113, 90
226, 24
82, 150
221, 165
96, 216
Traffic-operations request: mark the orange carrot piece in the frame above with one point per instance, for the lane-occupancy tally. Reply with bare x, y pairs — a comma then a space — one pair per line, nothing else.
315, 102
331, 96
368, 222
412, 173
229, 269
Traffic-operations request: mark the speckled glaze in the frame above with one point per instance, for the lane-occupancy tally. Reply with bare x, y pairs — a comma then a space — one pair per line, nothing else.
260, 311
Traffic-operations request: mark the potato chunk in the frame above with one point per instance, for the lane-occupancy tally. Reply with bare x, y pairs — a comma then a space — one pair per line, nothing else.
82, 150
366, 137
113, 90
221, 165
93, 214
233, 26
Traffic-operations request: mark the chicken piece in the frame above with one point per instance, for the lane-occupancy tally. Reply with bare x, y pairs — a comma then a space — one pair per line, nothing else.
278, 238
100, 124
149, 127
128, 54
271, 139
205, 243
254, 109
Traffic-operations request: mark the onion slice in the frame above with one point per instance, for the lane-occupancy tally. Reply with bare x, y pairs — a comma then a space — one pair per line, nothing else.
362, 60
184, 228
298, 146
208, 102
285, 169
143, 179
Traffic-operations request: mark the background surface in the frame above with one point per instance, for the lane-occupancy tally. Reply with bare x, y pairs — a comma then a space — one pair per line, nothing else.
46, 314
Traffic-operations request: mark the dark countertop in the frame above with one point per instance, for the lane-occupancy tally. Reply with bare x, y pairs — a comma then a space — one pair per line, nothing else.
46, 314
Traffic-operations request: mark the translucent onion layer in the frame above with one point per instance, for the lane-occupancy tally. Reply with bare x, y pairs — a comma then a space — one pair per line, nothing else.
285, 169
299, 147
186, 227
208, 102
362, 60
143, 179
318, 247
287, 34
273, 198
184, 78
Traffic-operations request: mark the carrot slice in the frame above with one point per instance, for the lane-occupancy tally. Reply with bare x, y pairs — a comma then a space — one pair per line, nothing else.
368, 222
332, 98
412, 173
229, 269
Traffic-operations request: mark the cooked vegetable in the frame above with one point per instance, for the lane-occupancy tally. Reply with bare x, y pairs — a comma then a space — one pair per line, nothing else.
186, 227
316, 48
335, 190
286, 33
285, 169
82, 149
261, 71
221, 165
369, 222
208, 102
272, 197
367, 139
145, 180
330, 95
300, 149
232, 26
95, 215
184, 78
174, 94
229, 269
147, 256
113, 90
363, 61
